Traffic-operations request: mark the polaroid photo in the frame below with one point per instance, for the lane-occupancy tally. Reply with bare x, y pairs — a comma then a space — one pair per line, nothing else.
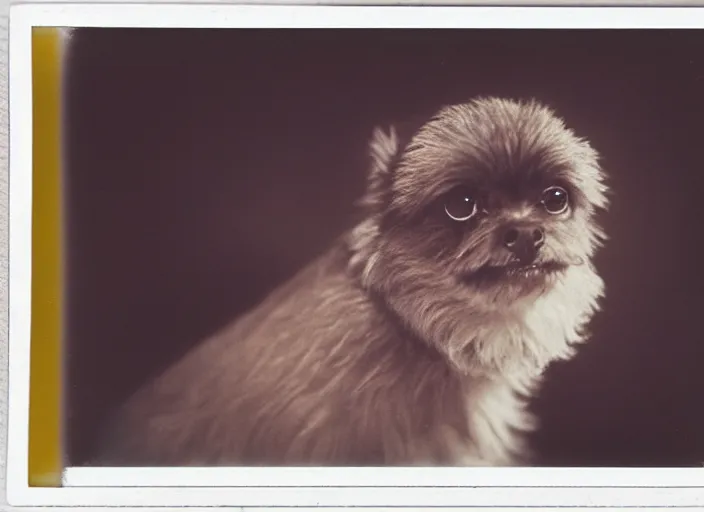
373, 256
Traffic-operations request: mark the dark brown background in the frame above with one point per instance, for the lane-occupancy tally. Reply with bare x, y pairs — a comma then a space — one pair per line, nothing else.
204, 167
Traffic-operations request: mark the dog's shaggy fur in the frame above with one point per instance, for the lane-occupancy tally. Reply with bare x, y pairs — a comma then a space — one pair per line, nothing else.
398, 347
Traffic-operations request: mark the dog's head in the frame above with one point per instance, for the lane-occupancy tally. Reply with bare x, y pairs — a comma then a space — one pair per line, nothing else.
497, 195
481, 226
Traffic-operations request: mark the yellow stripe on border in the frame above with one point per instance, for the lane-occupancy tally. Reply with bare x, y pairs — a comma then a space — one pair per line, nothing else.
45, 451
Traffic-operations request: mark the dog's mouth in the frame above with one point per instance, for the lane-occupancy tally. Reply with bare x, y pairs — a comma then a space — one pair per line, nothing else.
515, 271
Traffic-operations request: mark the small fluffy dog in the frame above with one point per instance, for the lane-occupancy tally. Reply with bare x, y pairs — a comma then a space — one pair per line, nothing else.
415, 339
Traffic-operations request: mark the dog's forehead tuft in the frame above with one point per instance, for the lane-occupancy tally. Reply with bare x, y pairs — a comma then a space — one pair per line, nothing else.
493, 138
498, 134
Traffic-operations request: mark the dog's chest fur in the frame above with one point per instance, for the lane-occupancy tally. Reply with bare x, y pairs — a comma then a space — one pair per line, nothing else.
518, 346
496, 419
494, 408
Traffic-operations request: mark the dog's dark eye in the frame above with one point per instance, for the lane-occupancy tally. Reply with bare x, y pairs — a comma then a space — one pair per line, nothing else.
555, 200
460, 205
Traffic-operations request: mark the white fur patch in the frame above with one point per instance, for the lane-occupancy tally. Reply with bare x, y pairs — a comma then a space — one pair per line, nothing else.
522, 346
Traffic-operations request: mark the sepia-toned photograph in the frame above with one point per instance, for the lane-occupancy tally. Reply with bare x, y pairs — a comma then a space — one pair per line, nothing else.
377, 247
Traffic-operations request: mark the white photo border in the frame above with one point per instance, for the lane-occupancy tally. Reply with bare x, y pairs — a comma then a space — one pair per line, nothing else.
419, 488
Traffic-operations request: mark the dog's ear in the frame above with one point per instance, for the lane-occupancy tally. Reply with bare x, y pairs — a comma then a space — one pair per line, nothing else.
384, 148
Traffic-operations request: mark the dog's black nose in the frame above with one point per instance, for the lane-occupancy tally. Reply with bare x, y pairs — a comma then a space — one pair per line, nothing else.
524, 242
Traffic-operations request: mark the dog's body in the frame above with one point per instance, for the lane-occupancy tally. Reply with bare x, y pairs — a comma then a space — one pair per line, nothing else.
412, 340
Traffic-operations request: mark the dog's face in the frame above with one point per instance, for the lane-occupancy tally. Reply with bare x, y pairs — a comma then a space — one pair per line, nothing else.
495, 195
